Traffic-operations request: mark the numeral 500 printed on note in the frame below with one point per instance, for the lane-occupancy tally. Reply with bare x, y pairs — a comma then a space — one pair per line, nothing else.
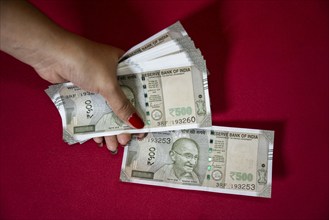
167, 99
216, 159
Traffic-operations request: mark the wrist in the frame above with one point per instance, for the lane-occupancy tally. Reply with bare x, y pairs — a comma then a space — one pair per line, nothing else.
45, 49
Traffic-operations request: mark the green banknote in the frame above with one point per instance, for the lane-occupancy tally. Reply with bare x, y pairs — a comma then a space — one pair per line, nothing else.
164, 77
216, 159
168, 99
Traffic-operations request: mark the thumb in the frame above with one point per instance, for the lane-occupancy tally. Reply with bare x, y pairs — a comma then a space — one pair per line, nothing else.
123, 108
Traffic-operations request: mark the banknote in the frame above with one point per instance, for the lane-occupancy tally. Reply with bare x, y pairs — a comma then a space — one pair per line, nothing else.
215, 159
174, 31
184, 58
160, 52
165, 49
167, 99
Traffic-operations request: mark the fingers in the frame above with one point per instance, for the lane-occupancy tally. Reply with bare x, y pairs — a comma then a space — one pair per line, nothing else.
113, 141
111, 144
99, 141
141, 135
110, 141
123, 139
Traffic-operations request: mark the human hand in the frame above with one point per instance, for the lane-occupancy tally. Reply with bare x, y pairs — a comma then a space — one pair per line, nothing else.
58, 56
92, 67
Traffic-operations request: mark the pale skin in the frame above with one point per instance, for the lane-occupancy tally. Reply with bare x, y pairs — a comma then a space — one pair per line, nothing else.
59, 56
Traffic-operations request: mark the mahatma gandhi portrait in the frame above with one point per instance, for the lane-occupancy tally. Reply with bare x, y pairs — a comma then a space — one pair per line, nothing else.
184, 154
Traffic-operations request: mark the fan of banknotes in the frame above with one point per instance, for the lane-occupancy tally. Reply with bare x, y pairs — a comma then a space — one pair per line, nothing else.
165, 78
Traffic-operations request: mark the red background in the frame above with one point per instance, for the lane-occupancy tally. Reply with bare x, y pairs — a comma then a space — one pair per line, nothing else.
269, 70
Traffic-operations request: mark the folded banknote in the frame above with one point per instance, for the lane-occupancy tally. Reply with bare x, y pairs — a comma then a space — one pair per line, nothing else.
216, 159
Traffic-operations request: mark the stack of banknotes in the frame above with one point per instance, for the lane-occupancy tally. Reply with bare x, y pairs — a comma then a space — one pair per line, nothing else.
165, 78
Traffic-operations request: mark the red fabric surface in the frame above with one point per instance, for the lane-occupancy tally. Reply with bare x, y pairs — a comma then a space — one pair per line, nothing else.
269, 70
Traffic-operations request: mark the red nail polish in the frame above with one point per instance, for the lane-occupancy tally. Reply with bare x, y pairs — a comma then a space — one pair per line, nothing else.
136, 121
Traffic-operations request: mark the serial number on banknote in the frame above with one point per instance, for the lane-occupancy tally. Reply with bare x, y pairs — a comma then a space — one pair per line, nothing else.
74, 95
250, 187
177, 121
156, 140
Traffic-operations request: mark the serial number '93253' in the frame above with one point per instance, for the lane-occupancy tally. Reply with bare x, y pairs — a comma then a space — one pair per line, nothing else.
249, 187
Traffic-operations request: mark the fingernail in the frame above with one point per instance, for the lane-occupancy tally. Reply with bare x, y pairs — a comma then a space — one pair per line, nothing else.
100, 144
114, 151
136, 121
141, 136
